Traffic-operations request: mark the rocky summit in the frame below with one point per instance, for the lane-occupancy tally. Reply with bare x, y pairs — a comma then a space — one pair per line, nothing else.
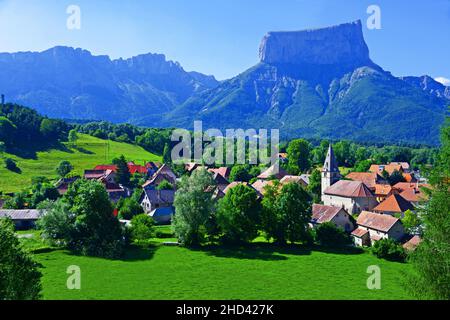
343, 44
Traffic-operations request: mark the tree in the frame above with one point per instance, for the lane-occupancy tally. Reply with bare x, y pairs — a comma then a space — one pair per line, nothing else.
286, 213
94, 231
240, 173
412, 222
7, 130
73, 136
123, 174
395, 178
315, 185
299, 153
130, 207
64, 168
142, 227
327, 234
58, 223
238, 214
363, 166
20, 278
42, 191
52, 129
389, 249
167, 157
193, 205
164, 185
431, 259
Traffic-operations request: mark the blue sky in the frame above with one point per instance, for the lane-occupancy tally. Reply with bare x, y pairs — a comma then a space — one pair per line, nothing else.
221, 37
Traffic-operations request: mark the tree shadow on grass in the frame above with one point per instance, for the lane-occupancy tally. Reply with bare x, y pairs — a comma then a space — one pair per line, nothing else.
254, 251
82, 150
347, 250
131, 253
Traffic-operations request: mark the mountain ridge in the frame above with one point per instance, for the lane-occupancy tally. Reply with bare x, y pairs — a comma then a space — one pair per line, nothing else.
316, 83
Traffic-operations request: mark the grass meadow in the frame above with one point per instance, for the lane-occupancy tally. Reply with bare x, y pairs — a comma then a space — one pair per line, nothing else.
86, 154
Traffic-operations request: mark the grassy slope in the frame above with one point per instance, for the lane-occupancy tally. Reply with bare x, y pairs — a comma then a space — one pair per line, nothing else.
262, 272
89, 152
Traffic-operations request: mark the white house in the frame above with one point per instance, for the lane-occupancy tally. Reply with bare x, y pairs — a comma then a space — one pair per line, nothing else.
374, 226
338, 216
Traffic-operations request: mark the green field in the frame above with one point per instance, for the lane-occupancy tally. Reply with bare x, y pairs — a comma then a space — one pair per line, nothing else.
260, 271
87, 153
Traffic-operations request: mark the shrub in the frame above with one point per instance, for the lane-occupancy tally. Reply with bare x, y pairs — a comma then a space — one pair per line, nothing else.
142, 227
327, 234
389, 249
11, 165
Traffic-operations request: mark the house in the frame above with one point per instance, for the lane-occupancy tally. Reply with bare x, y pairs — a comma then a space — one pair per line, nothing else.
132, 167
338, 216
382, 191
162, 215
353, 196
389, 168
163, 173
63, 184
107, 175
191, 166
223, 171
412, 191
395, 204
412, 243
236, 183
153, 199
220, 181
274, 172
22, 219
370, 179
302, 179
405, 165
260, 185
116, 191
372, 227
409, 177
152, 167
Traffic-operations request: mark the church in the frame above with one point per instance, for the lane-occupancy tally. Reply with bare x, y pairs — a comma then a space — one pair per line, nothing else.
353, 196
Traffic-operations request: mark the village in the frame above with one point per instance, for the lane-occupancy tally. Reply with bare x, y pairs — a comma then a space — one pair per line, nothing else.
363, 204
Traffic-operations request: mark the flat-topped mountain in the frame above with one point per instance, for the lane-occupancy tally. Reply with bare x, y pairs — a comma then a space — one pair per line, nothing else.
321, 83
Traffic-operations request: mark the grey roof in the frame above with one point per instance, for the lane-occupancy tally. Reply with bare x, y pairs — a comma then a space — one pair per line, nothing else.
330, 164
29, 214
163, 211
160, 196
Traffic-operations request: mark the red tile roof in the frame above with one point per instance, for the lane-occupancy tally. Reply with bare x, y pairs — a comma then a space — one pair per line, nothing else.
321, 213
273, 172
131, 166
389, 168
259, 185
394, 203
350, 189
370, 179
383, 189
223, 171
376, 221
413, 243
359, 232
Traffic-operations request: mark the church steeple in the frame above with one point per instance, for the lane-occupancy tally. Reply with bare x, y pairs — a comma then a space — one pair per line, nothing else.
330, 171
330, 164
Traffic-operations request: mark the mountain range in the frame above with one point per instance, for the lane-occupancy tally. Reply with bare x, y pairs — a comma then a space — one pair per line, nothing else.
317, 83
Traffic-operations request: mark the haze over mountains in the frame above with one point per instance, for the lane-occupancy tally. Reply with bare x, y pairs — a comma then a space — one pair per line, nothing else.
314, 83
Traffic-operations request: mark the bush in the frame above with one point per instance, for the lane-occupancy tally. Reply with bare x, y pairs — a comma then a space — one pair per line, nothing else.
11, 165
327, 234
142, 227
389, 249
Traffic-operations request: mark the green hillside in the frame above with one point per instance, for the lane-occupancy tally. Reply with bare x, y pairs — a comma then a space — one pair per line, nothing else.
86, 154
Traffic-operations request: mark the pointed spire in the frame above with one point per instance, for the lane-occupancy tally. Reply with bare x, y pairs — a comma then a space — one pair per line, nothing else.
330, 164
